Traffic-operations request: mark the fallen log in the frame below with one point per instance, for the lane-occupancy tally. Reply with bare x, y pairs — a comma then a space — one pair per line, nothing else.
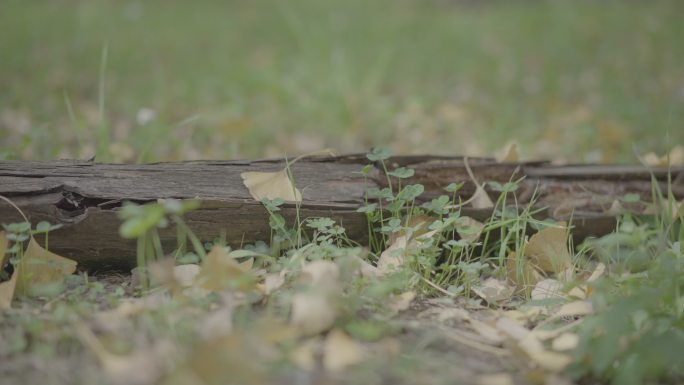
84, 196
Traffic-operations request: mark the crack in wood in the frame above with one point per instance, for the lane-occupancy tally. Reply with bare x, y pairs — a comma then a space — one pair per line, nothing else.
85, 196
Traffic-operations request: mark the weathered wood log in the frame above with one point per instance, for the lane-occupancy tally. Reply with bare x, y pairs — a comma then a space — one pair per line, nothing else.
84, 196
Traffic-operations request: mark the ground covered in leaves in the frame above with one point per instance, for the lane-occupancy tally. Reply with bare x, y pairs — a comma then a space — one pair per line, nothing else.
436, 297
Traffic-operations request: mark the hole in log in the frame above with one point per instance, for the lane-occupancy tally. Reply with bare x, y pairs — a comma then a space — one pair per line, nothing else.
74, 204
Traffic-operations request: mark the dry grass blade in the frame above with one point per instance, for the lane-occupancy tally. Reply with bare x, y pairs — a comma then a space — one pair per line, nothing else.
480, 199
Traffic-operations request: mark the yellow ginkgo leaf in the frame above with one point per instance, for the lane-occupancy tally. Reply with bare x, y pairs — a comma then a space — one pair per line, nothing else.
548, 250
271, 185
39, 268
509, 153
674, 158
651, 159
279, 184
220, 271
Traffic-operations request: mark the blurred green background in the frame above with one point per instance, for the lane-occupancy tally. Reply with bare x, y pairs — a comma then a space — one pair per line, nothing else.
166, 80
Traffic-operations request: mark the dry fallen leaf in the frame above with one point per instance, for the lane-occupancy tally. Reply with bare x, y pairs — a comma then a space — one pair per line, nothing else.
452, 313
546, 359
557, 379
142, 367
165, 272
221, 271
320, 273
565, 342
217, 323
674, 158
469, 229
340, 351
393, 256
532, 346
511, 328
548, 288
271, 185
366, 269
278, 184
39, 267
509, 153
402, 301
668, 207
548, 250
526, 315
616, 208
185, 274
272, 282
481, 199
161, 272
651, 159
495, 379
415, 226
521, 273
493, 290
491, 334
576, 308
111, 320
598, 272
237, 357
304, 355
313, 312
579, 292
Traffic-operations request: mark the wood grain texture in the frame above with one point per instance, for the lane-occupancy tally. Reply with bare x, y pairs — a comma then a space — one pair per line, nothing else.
84, 196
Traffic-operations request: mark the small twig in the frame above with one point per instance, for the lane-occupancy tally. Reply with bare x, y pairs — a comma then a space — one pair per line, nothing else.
434, 286
327, 151
470, 173
15, 206
474, 180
